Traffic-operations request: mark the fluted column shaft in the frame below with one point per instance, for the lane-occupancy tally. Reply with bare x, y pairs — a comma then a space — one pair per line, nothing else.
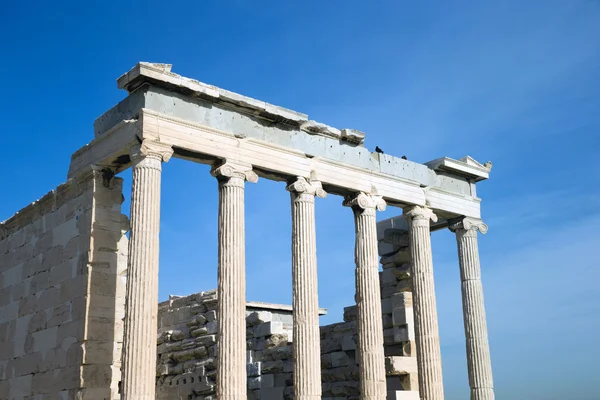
478, 349
305, 303
427, 337
231, 289
368, 297
141, 304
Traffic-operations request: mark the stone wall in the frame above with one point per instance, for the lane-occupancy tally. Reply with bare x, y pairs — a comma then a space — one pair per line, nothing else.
61, 297
187, 348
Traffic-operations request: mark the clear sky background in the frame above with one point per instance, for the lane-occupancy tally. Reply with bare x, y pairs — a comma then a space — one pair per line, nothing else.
515, 82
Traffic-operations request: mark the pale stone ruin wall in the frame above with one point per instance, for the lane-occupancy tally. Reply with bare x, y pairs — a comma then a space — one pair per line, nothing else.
61, 298
187, 349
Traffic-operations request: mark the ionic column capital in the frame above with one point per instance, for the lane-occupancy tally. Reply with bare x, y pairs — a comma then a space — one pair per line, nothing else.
418, 213
303, 187
231, 169
150, 149
468, 224
365, 201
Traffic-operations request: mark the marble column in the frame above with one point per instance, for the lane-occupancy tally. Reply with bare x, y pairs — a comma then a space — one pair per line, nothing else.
305, 302
368, 296
141, 304
427, 337
478, 349
231, 289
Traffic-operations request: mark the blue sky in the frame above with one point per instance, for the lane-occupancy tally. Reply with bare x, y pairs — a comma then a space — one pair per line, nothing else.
514, 82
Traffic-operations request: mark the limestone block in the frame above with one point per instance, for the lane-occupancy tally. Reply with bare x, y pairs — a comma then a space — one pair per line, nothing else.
44, 340
348, 343
272, 367
9, 312
254, 382
273, 393
27, 364
98, 352
64, 232
211, 327
404, 285
269, 328
349, 388
73, 288
285, 380
259, 317
51, 258
199, 332
340, 359
402, 395
330, 345
410, 382
21, 290
96, 376
70, 332
397, 365
388, 277
277, 353
5, 295
12, 276
103, 328
20, 386
206, 340
399, 258
403, 316
54, 359
350, 313
48, 298
178, 334
386, 306
102, 284
106, 307
267, 381
23, 253
4, 331
387, 321
253, 369
403, 333
57, 315
211, 315
201, 319
62, 272
36, 322
403, 299
276, 340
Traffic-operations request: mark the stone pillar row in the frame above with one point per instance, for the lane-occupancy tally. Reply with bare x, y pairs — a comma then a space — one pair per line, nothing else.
139, 348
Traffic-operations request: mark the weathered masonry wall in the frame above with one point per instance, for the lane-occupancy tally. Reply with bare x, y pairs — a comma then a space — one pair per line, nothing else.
60, 261
187, 348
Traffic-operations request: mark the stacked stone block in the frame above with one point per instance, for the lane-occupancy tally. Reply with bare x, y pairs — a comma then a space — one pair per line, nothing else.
187, 350
60, 292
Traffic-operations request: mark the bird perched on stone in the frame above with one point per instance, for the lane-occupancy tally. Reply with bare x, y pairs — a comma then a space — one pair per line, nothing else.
404, 158
377, 149
488, 165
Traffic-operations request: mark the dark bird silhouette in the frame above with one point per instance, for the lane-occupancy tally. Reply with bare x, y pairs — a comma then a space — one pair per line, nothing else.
377, 149
404, 158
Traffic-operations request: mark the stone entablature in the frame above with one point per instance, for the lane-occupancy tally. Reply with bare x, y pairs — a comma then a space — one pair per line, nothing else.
204, 123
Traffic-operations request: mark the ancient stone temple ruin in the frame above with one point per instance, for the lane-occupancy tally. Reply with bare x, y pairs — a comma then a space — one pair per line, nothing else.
72, 326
